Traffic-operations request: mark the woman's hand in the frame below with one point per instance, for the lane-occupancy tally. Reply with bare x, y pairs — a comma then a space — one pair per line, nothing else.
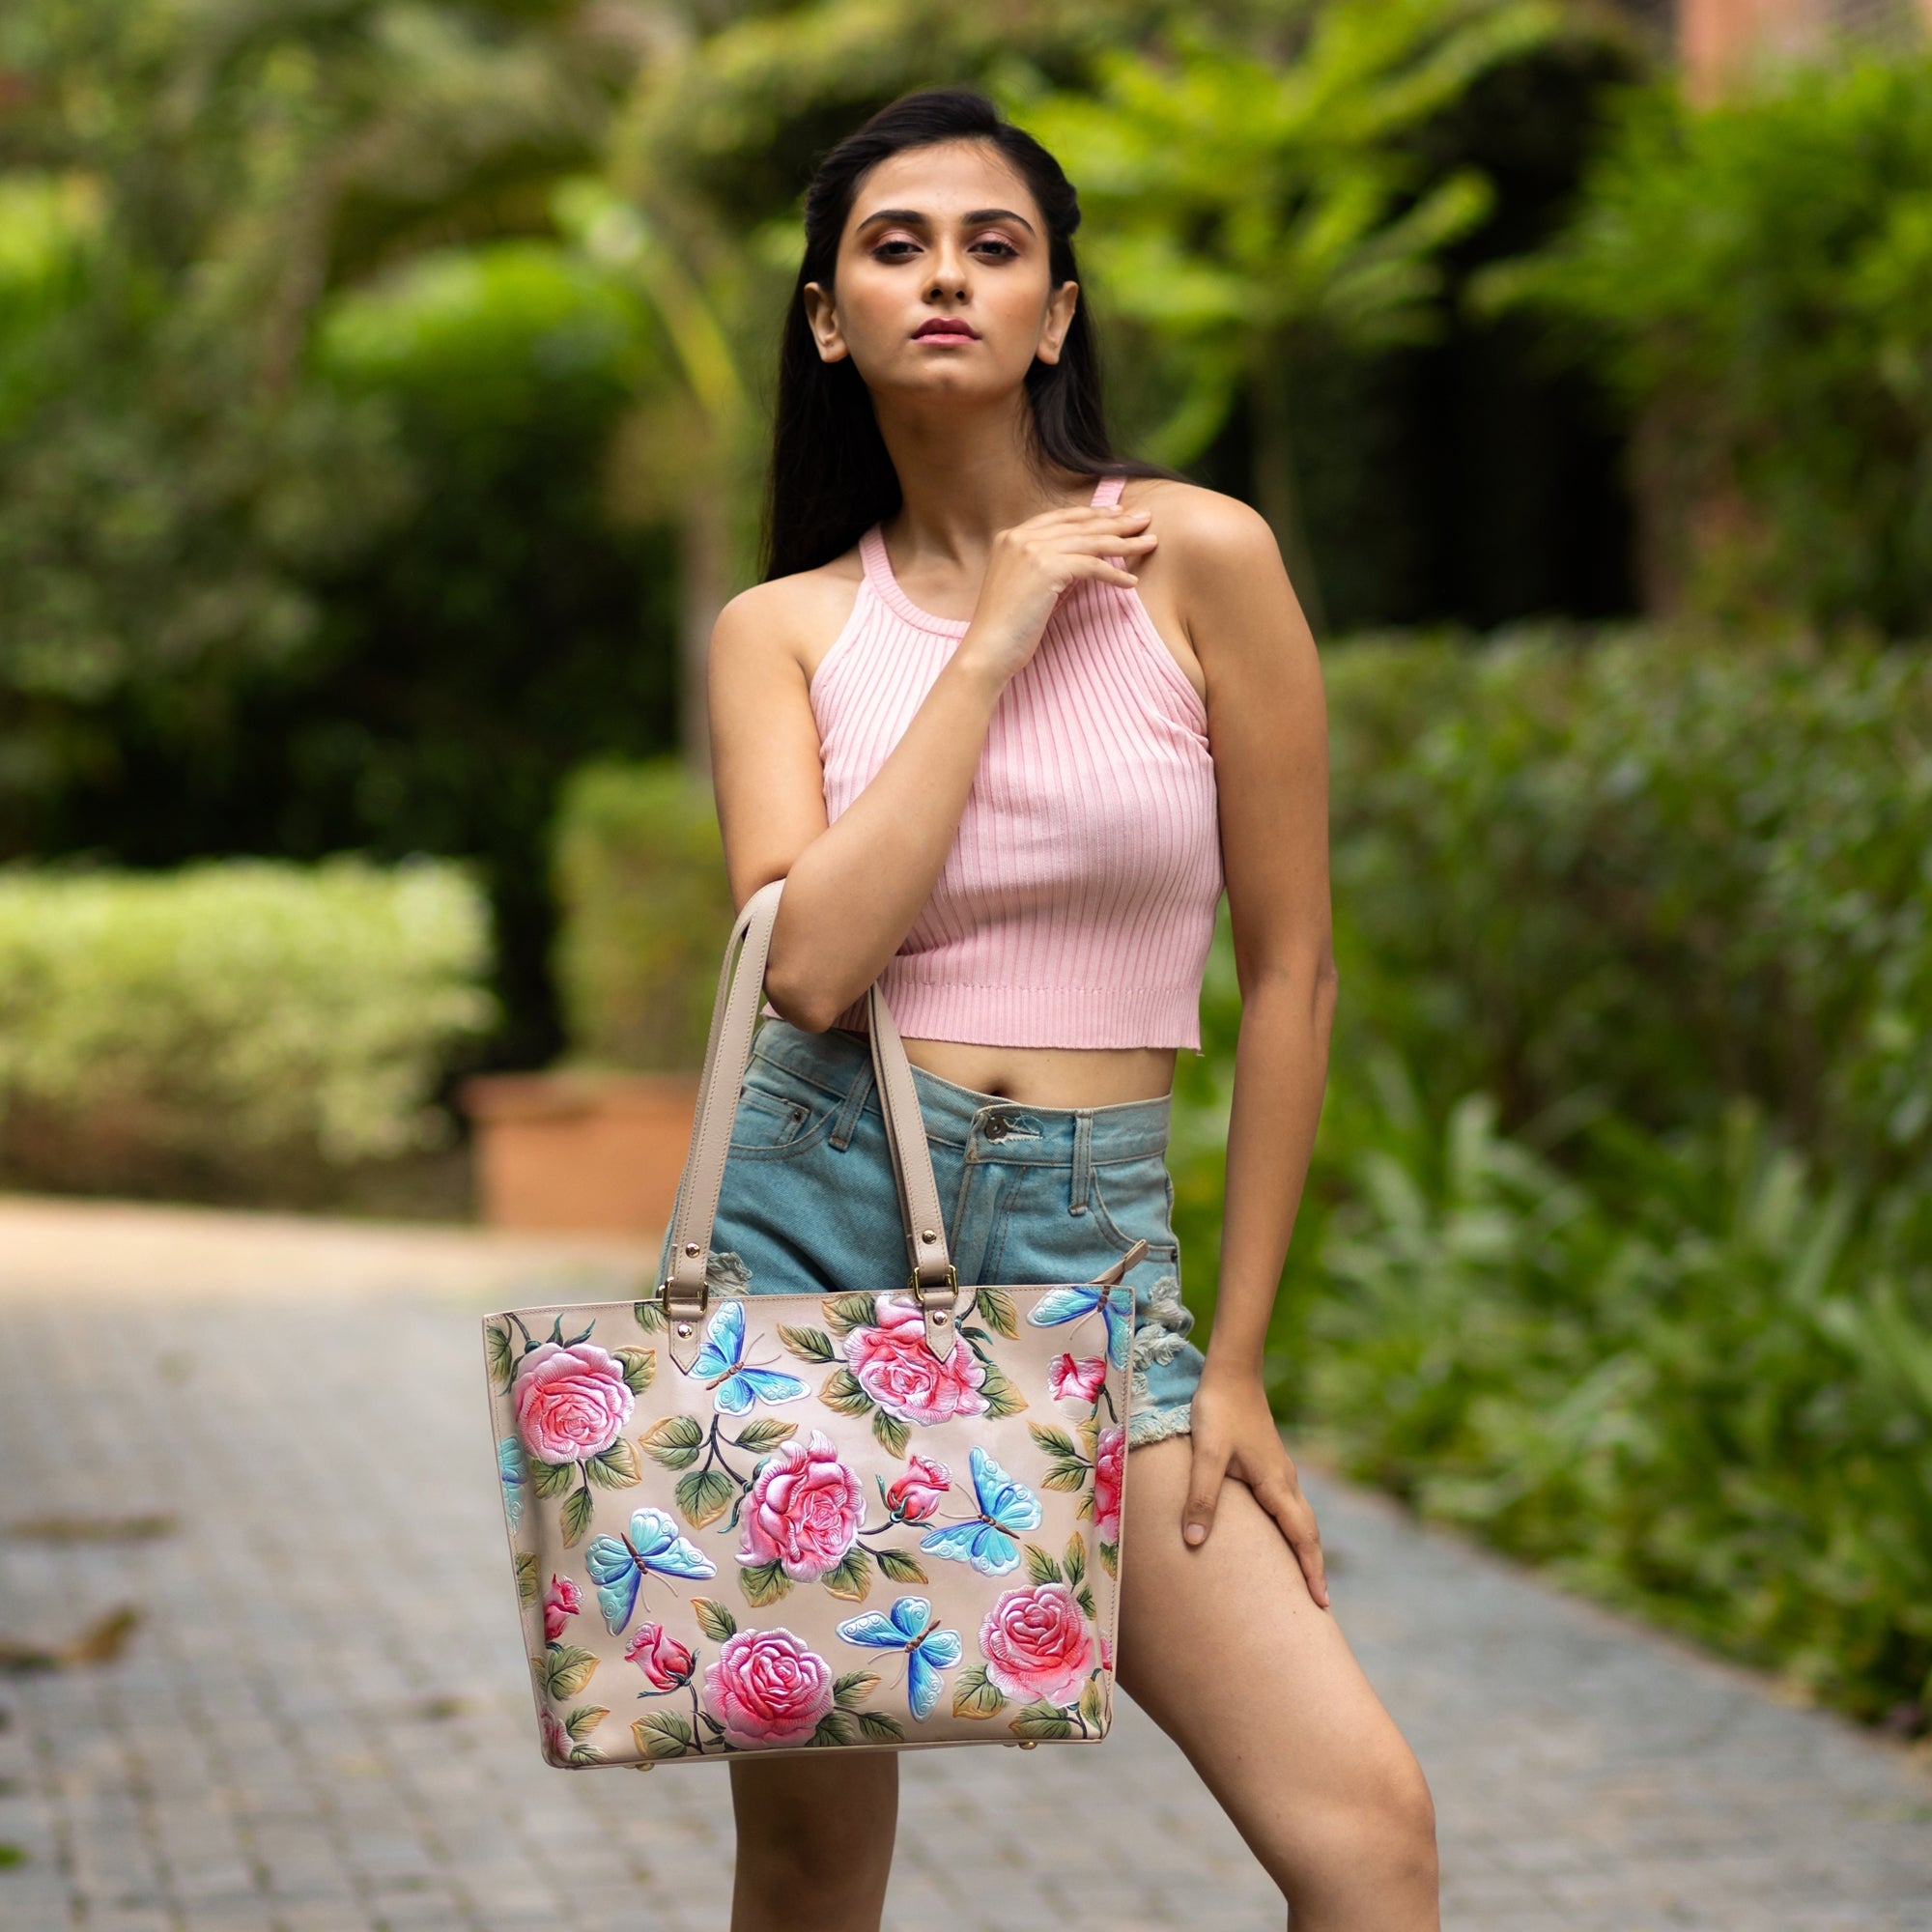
1032, 562
1235, 1434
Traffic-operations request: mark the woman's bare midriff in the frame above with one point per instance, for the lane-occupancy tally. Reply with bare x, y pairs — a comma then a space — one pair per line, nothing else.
1050, 1077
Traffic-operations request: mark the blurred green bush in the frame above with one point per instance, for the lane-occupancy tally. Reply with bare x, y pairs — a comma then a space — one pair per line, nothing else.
639, 870
232, 1026
1616, 1245
1756, 280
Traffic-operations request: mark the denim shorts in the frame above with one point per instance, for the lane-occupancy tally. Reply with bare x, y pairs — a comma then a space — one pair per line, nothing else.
1030, 1195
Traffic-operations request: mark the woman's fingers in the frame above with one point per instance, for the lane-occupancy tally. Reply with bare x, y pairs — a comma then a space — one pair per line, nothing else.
1282, 1498
1203, 1488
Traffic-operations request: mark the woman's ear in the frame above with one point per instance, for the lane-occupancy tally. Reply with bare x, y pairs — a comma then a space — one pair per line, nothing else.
822, 316
1059, 319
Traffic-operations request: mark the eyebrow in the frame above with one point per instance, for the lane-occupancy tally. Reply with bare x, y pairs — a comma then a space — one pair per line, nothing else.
914, 218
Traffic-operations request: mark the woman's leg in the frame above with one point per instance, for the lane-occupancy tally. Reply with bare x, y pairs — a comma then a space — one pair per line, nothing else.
815, 1841
1224, 1649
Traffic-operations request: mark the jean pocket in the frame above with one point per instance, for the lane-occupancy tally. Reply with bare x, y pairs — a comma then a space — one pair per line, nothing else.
1132, 1200
779, 1115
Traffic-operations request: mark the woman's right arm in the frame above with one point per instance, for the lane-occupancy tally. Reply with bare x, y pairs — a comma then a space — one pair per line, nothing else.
854, 887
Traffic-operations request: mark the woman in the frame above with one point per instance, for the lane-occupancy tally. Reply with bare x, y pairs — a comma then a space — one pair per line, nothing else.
1007, 714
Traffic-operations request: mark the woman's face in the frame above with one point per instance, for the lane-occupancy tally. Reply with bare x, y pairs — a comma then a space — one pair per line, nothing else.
943, 233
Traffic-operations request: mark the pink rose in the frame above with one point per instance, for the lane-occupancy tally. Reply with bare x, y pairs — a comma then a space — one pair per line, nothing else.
570, 1403
560, 1602
915, 1495
1036, 1643
895, 1368
767, 1688
1109, 1471
555, 1739
1082, 1379
1106, 1655
804, 1509
660, 1656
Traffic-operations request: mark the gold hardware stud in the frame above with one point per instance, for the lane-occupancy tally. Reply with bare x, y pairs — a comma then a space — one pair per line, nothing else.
1028, 1744
691, 1247
684, 1327
939, 1318
929, 1235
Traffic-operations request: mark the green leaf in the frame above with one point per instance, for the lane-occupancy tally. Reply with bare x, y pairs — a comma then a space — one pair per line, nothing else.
1054, 1441
1086, 1508
975, 1694
1074, 1562
881, 1724
1001, 1393
764, 1582
892, 1433
1042, 1719
713, 1618
898, 1567
1090, 1701
575, 1515
641, 1368
650, 1316
1084, 1597
996, 1310
567, 1669
1040, 1567
847, 1311
1110, 1558
585, 1754
528, 1587
703, 1495
665, 1734
812, 1344
767, 1433
834, 1728
585, 1718
551, 1479
1069, 1477
617, 1467
853, 1577
853, 1686
673, 1441
841, 1391
497, 1350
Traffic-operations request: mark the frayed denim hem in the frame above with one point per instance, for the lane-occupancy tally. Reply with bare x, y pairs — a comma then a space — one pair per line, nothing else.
1155, 1425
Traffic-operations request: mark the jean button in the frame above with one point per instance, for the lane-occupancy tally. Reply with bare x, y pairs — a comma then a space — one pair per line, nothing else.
996, 1126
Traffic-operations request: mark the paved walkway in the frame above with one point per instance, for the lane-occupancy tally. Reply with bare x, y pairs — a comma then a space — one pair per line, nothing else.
321, 1722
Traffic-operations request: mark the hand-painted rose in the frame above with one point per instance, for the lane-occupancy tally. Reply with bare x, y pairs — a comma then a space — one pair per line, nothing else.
570, 1403
804, 1509
766, 1687
895, 1367
1036, 1643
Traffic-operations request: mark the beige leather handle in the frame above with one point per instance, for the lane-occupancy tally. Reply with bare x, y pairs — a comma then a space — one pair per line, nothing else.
735, 1012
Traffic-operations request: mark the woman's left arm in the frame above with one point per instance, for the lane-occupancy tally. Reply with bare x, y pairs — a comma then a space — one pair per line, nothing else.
1268, 726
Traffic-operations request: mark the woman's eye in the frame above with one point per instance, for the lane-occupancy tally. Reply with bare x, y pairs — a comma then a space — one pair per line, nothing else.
1006, 249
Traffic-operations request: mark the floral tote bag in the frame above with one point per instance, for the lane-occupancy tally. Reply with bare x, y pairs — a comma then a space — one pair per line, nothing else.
869, 1520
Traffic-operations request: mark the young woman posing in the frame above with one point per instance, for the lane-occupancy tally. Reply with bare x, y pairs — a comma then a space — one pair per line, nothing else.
1007, 714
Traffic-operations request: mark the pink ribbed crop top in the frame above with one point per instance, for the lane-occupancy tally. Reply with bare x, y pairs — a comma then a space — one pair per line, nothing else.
1076, 905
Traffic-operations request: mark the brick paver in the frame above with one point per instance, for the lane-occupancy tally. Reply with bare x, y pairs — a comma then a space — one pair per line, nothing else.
322, 1724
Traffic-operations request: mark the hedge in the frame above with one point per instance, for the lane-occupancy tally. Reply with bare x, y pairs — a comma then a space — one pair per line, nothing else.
186, 1027
1616, 1246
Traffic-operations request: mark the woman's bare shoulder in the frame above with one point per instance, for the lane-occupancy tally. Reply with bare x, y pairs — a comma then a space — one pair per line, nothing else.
797, 615
1204, 524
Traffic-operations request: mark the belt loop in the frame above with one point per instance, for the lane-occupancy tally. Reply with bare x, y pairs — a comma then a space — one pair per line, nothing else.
1083, 1158
846, 1123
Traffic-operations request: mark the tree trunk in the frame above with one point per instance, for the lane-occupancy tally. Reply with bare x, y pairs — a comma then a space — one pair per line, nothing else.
1277, 490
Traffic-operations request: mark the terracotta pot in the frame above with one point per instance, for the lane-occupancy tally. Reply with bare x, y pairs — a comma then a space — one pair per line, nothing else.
594, 1152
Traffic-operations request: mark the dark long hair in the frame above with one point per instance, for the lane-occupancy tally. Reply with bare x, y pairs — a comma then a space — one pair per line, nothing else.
831, 476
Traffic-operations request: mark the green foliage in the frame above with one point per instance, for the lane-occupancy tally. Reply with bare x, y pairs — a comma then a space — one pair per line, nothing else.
231, 1015
639, 872
1615, 1247
1756, 280
1699, 1386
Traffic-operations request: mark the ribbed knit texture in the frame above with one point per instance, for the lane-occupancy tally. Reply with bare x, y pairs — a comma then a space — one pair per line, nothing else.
1076, 906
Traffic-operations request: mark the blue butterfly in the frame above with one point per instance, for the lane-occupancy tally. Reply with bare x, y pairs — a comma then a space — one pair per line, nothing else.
983, 1540
722, 1363
514, 1467
618, 1564
928, 1652
1070, 1304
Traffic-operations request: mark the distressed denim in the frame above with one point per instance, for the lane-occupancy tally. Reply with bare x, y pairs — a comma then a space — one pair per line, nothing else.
1030, 1194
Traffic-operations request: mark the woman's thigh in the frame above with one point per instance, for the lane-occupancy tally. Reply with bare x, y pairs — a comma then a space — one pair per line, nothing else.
1224, 1647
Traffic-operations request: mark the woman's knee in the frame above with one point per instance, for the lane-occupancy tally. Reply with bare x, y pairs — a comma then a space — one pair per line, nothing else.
1377, 1832
809, 1829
